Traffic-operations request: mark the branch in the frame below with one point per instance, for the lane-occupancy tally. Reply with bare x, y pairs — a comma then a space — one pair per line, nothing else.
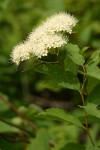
18, 113
12, 138
83, 101
16, 126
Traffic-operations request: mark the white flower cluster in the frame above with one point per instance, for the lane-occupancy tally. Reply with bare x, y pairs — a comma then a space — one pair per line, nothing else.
45, 37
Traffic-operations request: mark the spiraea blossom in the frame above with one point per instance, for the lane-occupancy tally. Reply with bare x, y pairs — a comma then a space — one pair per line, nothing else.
21, 52
60, 22
45, 37
41, 46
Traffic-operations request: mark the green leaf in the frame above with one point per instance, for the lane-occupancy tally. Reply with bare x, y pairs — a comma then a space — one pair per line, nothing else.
61, 115
95, 58
92, 110
70, 65
94, 96
91, 84
41, 142
73, 53
83, 50
73, 146
93, 71
92, 148
47, 83
64, 78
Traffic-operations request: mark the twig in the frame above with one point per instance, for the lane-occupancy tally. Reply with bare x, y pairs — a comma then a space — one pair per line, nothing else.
86, 115
16, 126
17, 112
52, 62
12, 138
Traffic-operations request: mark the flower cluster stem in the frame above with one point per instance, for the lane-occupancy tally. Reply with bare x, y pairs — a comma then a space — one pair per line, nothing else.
86, 115
83, 101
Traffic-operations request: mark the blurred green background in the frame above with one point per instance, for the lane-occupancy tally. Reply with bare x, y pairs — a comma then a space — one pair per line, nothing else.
18, 18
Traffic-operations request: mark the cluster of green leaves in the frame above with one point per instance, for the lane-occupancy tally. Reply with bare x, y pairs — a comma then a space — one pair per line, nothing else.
65, 75
64, 72
56, 129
